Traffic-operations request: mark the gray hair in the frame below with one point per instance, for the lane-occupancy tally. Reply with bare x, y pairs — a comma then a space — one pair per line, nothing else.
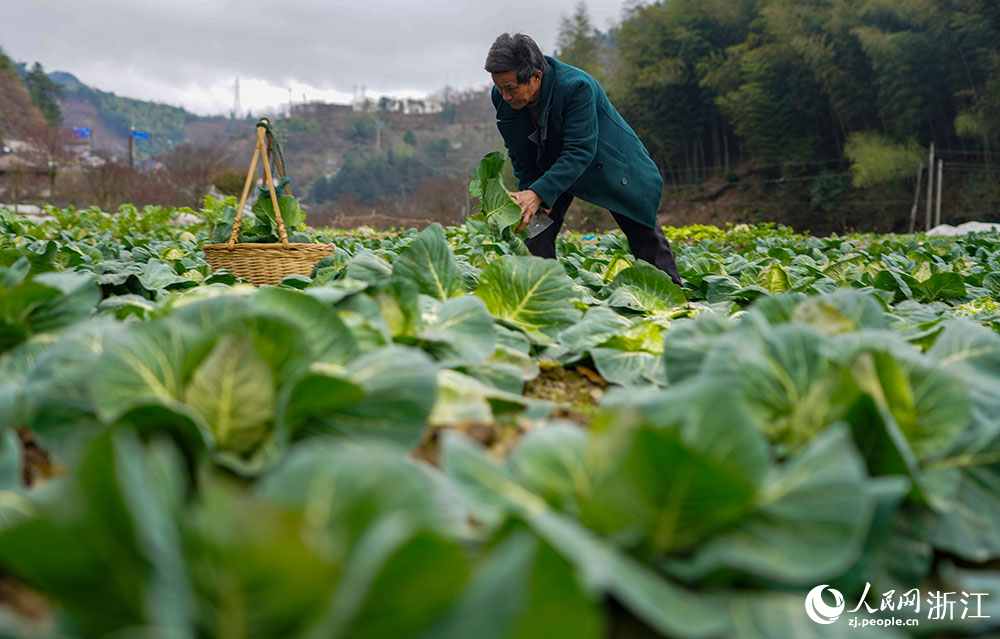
518, 53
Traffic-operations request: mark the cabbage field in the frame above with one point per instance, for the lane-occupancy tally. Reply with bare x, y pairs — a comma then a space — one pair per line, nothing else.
437, 436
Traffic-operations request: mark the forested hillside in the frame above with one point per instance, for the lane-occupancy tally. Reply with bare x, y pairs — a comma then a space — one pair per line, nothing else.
63, 101
17, 112
164, 122
807, 97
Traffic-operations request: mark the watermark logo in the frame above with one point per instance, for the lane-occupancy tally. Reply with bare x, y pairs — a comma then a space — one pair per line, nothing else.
817, 609
893, 610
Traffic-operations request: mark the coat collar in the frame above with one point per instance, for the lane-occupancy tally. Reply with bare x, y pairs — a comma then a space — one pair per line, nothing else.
548, 83
548, 86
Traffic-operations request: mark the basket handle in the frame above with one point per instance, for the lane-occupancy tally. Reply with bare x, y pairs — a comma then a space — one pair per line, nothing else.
261, 149
274, 150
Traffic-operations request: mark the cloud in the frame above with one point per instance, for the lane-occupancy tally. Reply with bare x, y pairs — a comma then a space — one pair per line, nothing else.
189, 51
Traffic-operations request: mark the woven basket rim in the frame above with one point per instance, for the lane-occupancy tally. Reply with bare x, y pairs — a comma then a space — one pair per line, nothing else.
257, 245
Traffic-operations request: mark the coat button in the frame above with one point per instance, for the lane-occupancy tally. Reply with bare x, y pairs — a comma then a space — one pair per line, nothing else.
600, 165
624, 181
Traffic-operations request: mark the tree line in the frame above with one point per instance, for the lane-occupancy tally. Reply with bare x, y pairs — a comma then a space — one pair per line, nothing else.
794, 88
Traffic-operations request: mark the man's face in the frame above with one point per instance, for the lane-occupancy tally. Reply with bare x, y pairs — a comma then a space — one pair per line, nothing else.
514, 94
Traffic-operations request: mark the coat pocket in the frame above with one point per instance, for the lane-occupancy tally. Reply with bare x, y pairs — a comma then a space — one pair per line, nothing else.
610, 166
606, 152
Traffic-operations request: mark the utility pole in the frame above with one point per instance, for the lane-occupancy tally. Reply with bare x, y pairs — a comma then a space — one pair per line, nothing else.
131, 144
236, 99
940, 176
930, 189
378, 134
916, 197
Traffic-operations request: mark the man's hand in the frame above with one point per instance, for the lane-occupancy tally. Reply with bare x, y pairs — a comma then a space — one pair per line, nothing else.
530, 203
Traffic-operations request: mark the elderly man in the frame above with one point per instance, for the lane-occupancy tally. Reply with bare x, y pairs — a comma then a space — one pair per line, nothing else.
565, 140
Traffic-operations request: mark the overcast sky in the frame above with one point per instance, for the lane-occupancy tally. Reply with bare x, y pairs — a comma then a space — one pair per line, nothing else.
188, 52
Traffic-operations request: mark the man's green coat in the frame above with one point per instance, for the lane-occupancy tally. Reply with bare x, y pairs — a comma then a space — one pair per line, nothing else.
581, 146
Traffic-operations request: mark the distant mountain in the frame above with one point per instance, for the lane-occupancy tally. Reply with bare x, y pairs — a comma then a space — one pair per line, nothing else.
65, 80
108, 116
86, 106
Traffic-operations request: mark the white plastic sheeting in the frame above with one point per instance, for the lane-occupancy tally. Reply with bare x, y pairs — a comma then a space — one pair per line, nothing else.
962, 229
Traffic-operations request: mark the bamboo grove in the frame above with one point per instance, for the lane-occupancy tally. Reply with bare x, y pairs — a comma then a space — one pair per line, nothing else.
802, 88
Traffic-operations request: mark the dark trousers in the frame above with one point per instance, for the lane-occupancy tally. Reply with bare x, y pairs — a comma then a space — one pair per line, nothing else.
646, 243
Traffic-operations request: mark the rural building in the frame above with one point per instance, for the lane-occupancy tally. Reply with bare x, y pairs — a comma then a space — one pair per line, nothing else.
22, 179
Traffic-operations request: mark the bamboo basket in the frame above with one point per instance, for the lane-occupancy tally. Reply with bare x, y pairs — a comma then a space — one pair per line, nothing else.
265, 264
